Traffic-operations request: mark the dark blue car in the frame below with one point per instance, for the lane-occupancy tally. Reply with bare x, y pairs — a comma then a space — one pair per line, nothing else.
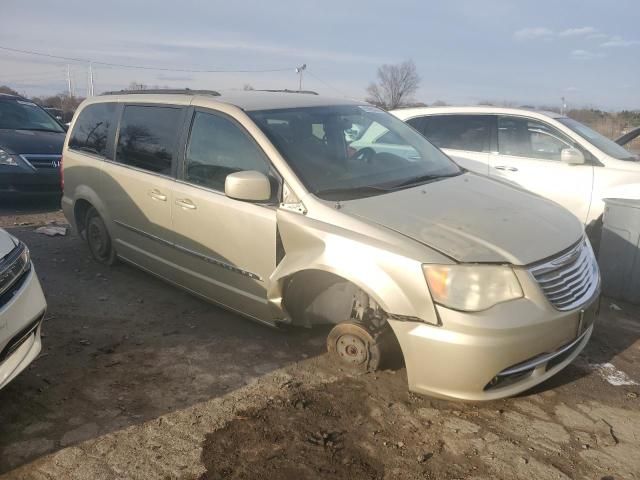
30, 149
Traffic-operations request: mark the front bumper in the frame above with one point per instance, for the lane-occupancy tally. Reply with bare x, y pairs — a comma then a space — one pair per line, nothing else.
20, 181
20, 325
493, 354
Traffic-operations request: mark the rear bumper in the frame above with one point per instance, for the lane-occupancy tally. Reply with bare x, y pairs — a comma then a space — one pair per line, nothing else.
494, 354
20, 325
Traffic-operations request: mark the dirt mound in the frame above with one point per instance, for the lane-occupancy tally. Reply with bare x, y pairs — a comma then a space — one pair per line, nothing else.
299, 435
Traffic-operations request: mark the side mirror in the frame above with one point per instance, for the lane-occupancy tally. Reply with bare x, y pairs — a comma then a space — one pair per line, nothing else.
572, 156
249, 185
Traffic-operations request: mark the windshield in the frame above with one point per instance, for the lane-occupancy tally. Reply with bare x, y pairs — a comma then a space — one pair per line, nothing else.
352, 151
609, 147
25, 115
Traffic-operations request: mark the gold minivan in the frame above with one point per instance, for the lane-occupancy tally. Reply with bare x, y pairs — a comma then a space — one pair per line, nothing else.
259, 202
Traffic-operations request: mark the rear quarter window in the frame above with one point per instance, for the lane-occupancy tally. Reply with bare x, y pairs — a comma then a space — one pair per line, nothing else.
91, 130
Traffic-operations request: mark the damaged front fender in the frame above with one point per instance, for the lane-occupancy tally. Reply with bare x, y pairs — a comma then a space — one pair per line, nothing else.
394, 282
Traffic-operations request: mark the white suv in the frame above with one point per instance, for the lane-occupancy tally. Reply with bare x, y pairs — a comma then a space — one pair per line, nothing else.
22, 308
544, 152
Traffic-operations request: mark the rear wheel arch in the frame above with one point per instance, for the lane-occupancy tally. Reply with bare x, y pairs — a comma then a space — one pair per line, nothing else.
80, 209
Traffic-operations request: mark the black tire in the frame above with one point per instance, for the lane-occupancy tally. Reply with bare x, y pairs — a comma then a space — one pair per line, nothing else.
353, 347
98, 238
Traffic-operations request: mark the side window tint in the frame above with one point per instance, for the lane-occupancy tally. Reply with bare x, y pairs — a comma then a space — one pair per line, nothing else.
218, 147
459, 132
523, 137
416, 123
91, 130
148, 137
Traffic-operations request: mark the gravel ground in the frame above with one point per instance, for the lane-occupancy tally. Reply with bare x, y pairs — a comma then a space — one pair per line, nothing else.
140, 380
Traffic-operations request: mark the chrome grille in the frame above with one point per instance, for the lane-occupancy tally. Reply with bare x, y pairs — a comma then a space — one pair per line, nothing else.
39, 161
571, 279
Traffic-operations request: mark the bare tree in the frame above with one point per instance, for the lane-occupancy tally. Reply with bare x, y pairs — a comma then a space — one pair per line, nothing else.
9, 90
395, 85
247, 87
136, 86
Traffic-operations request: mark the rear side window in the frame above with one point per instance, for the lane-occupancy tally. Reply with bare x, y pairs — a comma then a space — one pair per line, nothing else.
149, 137
458, 132
218, 147
91, 130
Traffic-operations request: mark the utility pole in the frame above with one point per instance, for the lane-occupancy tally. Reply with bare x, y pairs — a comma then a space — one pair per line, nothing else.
299, 71
69, 80
90, 81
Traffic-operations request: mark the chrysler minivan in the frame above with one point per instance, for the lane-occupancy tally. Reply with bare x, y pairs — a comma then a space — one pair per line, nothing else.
266, 204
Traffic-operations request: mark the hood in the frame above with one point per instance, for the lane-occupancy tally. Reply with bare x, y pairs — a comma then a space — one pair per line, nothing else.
471, 218
31, 141
6, 243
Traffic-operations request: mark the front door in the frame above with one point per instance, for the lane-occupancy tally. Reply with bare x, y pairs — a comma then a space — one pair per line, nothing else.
227, 246
529, 156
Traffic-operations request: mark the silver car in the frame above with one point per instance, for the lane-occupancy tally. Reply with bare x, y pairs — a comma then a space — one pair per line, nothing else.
269, 205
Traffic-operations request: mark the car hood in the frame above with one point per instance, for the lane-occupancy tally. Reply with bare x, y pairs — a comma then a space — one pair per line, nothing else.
471, 218
31, 141
6, 244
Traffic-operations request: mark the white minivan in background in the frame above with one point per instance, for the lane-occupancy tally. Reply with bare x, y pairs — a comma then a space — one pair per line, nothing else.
544, 152
22, 308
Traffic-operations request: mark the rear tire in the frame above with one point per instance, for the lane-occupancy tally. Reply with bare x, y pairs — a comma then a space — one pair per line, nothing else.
353, 347
98, 238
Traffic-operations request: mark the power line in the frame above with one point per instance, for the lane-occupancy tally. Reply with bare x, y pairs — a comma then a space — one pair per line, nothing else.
327, 84
140, 67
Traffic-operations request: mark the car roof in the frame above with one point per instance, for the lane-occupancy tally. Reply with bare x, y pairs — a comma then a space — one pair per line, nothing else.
246, 100
406, 113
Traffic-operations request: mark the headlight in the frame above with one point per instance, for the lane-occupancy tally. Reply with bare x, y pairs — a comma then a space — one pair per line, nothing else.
471, 287
6, 159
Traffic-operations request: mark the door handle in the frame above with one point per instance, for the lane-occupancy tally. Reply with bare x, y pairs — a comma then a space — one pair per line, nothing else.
157, 195
186, 204
507, 168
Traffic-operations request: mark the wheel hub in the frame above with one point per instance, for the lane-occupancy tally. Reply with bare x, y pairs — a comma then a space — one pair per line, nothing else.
351, 349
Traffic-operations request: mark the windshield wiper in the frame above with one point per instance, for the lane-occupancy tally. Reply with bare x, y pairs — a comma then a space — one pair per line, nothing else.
419, 180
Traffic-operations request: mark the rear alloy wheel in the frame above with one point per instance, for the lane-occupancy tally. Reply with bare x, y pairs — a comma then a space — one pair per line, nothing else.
98, 238
353, 347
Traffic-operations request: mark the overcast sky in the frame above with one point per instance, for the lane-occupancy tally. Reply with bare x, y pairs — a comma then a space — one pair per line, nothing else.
527, 52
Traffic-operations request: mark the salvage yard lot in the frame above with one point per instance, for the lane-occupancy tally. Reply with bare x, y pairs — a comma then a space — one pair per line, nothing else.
140, 380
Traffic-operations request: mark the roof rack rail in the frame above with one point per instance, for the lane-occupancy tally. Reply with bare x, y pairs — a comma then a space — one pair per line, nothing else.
286, 90
165, 91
